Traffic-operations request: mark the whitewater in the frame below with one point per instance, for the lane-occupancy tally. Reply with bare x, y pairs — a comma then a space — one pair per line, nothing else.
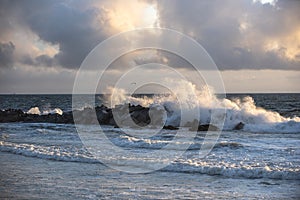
260, 160
229, 111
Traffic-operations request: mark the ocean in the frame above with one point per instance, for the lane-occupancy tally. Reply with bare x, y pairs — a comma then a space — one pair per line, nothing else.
259, 161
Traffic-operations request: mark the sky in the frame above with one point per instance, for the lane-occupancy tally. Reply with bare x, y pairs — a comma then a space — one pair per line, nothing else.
254, 43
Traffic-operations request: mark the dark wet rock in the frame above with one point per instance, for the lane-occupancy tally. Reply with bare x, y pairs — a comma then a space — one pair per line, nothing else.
31, 118
130, 116
169, 127
205, 127
196, 126
86, 116
116, 126
12, 115
141, 116
112, 122
103, 114
68, 117
239, 126
133, 108
126, 115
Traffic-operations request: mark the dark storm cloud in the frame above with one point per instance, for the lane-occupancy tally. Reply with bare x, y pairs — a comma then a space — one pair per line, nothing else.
165, 58
234, 32
58, 23
41, 60
70, 28
44, 60
6, 54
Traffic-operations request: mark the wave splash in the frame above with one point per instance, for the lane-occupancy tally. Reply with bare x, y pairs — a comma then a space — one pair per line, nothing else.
36, 111
253, 118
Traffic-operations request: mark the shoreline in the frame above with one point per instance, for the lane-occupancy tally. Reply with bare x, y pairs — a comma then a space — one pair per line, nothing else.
26, 177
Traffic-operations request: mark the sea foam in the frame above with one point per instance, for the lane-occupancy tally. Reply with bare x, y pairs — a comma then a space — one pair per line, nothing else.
255, 119
182, 166
36, 111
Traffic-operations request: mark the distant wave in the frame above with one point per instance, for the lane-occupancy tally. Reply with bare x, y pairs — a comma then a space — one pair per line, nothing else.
47, 152
235, 172
159, 142
241, 111
72, 154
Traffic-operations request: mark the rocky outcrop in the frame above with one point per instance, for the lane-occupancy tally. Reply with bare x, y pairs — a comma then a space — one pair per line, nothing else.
104, 115
205, 127
15, 115
12, 115
196, 126
126, 115
239, 126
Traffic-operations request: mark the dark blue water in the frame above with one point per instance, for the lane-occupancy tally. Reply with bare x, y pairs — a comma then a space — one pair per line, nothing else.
44, 160
287, 105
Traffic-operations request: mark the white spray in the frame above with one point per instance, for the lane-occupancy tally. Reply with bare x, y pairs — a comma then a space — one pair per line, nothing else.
237, 110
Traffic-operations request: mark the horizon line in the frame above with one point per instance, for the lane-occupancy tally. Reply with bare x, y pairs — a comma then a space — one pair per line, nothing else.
146, 93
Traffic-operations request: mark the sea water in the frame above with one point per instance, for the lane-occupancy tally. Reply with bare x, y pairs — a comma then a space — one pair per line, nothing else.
43, 160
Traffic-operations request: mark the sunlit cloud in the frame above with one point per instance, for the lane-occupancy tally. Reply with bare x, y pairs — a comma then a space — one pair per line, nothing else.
28, 44
272, 2
286, 46
128, 15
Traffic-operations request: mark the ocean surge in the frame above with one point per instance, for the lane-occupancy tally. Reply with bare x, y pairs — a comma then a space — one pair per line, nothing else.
253, 118
47, 152
181, 166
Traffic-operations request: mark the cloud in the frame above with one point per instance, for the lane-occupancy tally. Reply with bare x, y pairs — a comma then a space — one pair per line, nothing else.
72, 29
6, 54
240, 34
237, 34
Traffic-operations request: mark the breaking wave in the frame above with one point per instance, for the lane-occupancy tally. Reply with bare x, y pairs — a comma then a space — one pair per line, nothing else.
245, 111
36, 111
72, 154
